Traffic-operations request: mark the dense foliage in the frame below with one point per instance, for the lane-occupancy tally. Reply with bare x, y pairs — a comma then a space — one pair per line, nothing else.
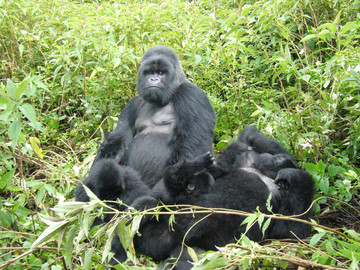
291, 67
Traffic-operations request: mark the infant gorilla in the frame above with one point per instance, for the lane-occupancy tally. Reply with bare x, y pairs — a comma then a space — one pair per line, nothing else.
242, 178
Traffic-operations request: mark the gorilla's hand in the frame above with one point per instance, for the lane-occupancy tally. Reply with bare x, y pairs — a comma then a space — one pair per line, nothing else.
201, 163
143, 203
113, 146
287, 178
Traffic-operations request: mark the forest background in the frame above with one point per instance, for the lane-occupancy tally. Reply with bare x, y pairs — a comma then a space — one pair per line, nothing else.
290, 67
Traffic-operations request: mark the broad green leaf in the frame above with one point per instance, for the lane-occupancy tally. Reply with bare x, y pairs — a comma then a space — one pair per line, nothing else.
4, 100
49, 232
29, 112
316, 238
348, 26
110, 234
61, 236
266, 225
90, 193
6, 179
14, 132
35, 144
192, 254
21, 88
87, 258
135, 225
306, 77
69, 246
10, 88
308, 37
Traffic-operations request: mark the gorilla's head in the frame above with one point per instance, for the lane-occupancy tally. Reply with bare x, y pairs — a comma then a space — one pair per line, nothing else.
187, 188
112, 182
160, 74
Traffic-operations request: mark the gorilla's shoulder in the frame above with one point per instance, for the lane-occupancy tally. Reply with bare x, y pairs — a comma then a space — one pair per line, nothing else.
188, 90
136, 101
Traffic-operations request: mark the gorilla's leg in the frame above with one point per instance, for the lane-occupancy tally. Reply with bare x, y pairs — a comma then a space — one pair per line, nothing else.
229, 158
259, 142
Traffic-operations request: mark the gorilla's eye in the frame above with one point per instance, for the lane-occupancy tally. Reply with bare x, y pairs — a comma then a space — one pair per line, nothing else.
161, 72
190, 187
148, 72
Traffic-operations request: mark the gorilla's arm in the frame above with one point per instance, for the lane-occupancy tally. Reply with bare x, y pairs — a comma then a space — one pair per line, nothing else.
195, 122
117, 140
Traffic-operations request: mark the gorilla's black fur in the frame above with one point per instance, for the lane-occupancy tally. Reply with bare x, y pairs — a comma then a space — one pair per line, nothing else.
171, 119
110, 181
240, 179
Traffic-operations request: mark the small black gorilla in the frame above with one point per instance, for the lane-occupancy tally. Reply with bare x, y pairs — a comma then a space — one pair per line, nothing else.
171, 119
156, 240
110, 181
238, 180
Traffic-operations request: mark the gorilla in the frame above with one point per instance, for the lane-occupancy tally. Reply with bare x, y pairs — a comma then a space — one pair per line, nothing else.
110, 181
170, 120
241, 178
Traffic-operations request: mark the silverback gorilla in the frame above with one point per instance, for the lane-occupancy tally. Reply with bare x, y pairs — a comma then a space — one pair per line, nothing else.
241, 178
171, 120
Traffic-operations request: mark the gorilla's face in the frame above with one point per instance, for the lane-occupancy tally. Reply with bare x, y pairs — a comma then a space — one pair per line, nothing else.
160, 73
157, 80
188, 189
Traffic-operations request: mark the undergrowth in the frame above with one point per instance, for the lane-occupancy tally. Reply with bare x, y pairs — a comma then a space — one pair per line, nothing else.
67, 69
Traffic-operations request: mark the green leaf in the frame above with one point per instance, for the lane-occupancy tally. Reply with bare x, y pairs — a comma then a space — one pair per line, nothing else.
268, 203
212, 261
250, 220
10, 88
61, 236
6, 179
348, 27
29, 112
308, 37
110, 234
246, 9
261, 219
49, 232
69, 246
35, 144
90, 193
324, 34
316, 238
21, 49
135, 225
14, 132
266, 225
126, 239
87, 258
334, 170
21, 88
192, 254
306, 77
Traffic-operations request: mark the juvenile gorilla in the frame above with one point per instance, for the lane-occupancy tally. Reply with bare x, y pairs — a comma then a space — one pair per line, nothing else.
171, 119
110, 181
239, 180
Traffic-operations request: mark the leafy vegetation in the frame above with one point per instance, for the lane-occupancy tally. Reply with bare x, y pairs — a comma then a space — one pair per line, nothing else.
68, 67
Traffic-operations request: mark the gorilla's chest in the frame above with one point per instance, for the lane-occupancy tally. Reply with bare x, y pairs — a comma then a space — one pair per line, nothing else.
153, 119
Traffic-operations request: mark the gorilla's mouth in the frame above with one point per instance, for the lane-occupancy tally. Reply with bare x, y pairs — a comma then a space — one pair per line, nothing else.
154, 95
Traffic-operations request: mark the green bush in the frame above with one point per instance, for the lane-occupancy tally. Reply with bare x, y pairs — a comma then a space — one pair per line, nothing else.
67, 69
